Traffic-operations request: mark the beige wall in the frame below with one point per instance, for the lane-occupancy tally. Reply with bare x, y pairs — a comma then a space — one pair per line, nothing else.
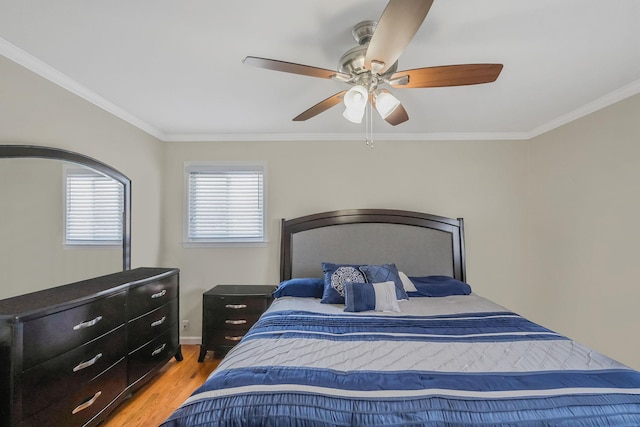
550, 223
484, 182
584, 232
34, 111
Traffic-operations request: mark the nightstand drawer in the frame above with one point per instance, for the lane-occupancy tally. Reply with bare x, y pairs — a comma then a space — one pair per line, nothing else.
239, 306
226, 337
231, 320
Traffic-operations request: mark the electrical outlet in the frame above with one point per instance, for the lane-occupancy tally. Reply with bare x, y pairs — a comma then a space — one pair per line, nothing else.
185, 325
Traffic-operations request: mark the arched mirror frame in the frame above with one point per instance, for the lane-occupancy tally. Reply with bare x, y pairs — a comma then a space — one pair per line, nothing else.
26, 151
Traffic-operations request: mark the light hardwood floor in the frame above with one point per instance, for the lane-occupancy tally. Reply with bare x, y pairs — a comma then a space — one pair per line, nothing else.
153, 403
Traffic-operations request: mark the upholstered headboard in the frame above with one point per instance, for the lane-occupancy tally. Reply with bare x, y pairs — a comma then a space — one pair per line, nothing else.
419, 244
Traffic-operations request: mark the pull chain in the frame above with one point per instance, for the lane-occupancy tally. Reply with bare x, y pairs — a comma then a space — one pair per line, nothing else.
369, 125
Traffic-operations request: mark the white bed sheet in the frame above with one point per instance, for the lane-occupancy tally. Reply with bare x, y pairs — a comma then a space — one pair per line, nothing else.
417, 306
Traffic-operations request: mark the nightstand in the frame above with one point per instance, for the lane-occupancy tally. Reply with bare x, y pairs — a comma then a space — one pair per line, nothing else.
228, 311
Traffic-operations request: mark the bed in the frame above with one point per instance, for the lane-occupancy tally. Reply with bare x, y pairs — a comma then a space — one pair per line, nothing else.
447, 357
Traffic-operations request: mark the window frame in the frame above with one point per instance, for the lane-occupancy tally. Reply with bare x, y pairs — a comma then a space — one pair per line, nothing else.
214, 167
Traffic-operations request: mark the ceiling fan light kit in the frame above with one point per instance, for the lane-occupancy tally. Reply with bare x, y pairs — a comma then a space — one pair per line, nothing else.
355, 101
371, 66
386, 104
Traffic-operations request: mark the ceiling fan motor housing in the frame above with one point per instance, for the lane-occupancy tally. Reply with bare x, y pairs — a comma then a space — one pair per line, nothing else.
352, 62
363, 31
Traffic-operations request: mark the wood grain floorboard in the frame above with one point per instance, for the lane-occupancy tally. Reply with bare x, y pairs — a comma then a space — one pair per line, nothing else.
153, 403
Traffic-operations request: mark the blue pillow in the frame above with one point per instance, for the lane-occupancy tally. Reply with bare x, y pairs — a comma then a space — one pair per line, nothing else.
370, 296
385, 273
300, 287
335, 277
439, 286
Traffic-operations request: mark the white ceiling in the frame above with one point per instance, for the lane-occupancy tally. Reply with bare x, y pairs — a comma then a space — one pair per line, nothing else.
173, 68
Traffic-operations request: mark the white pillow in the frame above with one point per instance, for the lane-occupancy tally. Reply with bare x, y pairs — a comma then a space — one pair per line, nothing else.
379, 296
407, 283
386, 296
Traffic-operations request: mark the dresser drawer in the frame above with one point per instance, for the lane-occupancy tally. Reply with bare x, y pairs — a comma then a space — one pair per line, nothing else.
77, 408
155, 353
57, 333
145, 328
152, 295
43, 384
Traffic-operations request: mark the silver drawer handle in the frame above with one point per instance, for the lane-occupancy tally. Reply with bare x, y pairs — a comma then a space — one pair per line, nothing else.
87, 324
158, 322
158, 350
236, 322
86, 404
238, 338
88, 363
236, 306
159, 294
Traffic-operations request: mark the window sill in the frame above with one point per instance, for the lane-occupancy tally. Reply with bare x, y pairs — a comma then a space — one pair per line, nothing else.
190, 245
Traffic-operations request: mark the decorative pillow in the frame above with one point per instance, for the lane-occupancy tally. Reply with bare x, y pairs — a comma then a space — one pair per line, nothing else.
385, 273
335, 277
407, 284
439, 286
371, 296
300, 287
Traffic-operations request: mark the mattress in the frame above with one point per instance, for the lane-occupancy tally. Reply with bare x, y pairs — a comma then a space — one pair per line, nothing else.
456, 360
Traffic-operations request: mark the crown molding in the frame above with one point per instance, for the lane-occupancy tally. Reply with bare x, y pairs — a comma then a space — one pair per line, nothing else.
611, 98
28, 61
44, 70
359, 136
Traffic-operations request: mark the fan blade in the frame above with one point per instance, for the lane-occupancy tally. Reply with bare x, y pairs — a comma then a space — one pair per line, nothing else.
399, 115
398, 24
320, 107
290, 67
448, 75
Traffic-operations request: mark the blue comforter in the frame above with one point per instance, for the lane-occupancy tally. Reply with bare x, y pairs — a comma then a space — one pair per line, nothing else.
303, 368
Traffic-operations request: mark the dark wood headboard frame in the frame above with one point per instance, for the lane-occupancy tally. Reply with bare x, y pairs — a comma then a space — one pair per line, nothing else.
455, 227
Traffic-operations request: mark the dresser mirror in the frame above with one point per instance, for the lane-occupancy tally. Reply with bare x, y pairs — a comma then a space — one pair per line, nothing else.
34, 254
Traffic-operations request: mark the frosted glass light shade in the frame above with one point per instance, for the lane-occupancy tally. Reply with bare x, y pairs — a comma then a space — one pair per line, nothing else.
386, 104
355, 101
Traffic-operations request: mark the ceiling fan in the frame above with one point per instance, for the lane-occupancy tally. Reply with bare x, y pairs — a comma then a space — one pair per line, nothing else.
372, 65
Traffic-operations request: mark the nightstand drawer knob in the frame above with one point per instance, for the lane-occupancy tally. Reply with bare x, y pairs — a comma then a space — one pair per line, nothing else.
237, 338
235, 322
236, 306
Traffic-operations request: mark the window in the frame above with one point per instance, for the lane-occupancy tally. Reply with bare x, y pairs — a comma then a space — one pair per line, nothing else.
93, 208
225, 203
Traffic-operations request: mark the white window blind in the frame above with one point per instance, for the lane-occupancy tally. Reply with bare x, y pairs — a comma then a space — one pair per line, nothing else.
225, 203
94, 208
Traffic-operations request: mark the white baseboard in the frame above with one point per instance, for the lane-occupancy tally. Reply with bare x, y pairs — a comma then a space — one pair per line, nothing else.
191, 340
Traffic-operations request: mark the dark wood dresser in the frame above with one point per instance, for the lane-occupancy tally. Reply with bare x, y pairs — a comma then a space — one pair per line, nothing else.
69, 355
228, 311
